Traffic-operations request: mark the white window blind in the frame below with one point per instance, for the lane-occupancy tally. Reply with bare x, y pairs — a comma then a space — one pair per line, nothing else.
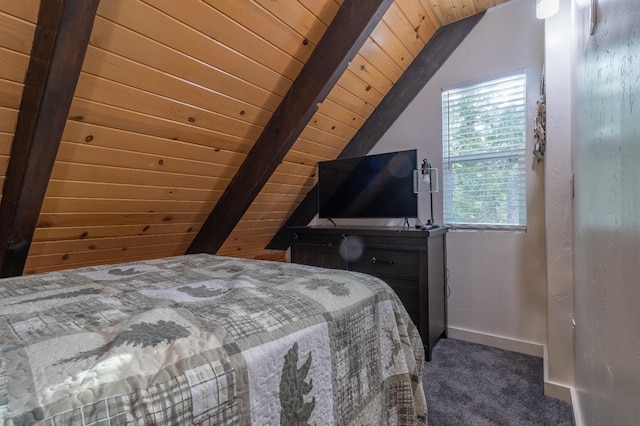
484, 134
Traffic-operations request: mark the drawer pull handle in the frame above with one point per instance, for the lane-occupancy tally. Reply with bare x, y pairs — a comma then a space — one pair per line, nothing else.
381, 262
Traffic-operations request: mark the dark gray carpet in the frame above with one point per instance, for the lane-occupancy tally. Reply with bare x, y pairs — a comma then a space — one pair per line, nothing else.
468, 384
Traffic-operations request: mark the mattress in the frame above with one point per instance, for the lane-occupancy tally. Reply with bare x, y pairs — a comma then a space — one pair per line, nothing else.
203, 339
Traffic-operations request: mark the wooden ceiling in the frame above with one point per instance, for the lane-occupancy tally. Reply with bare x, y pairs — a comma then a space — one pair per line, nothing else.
171, 98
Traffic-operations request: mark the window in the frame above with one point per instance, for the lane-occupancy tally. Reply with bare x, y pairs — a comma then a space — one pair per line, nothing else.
483, 136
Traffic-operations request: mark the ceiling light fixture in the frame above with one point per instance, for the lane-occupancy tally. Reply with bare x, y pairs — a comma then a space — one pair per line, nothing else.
547, 8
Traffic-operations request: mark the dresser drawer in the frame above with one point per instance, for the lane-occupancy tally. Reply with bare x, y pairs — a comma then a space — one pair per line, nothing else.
415, 318
325, 256
408, 292
319, 238
388, 263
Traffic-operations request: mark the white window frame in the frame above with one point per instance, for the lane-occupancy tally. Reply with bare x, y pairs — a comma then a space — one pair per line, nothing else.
513, 149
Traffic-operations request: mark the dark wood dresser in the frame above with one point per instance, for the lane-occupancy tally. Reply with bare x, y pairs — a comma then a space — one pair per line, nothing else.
412, 261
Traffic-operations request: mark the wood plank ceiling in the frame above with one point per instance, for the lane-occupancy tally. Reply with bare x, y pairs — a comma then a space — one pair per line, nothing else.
171, 98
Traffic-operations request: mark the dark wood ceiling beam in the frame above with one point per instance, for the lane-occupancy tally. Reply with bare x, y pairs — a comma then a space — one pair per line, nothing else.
59, 46
348, 31
434, 54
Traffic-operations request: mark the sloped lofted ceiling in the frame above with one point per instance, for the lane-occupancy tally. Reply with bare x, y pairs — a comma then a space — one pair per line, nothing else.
172, 97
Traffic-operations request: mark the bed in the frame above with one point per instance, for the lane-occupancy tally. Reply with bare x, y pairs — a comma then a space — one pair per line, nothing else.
203, 339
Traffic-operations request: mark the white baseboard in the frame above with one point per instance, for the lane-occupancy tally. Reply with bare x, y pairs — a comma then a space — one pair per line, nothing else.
558, 391
575, 403
554, 389
500, 342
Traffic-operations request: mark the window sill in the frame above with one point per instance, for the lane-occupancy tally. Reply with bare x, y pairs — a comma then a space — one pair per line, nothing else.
483, 228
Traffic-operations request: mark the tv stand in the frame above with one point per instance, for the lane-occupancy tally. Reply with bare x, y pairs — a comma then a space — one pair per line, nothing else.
412, 261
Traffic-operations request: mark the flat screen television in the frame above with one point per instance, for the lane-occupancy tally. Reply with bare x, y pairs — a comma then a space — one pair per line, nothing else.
373, 186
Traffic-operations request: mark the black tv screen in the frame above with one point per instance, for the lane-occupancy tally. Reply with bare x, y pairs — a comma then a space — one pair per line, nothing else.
373, 186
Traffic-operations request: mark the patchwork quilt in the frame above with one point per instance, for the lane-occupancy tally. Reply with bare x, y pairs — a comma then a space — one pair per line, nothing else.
207, 340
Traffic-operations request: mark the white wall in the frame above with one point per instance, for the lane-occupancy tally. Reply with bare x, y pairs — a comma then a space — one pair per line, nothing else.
607, 213
497, 279
559, 203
